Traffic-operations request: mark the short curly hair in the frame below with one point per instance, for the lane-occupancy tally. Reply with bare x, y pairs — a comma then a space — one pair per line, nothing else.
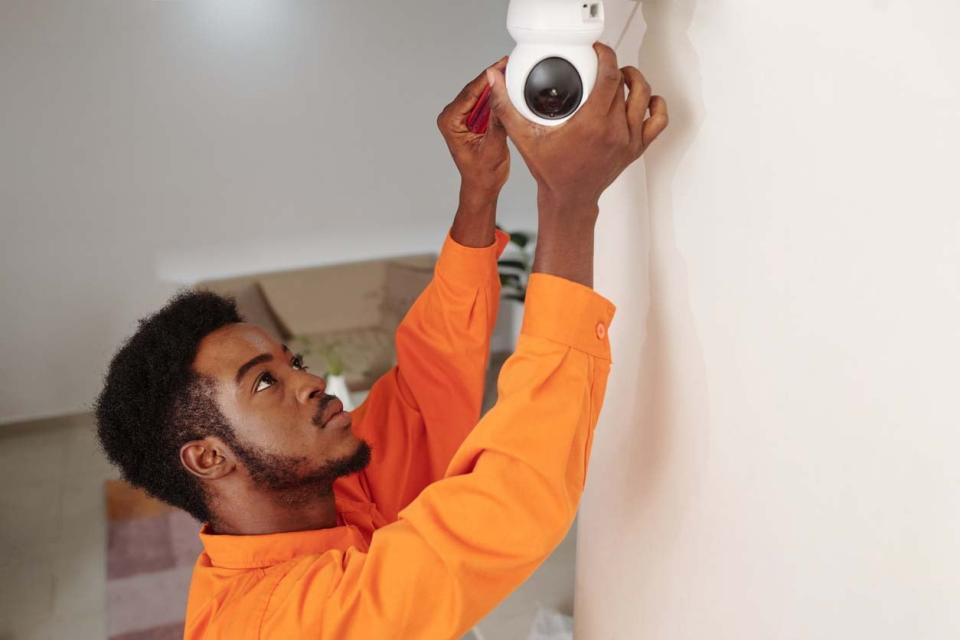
153, 401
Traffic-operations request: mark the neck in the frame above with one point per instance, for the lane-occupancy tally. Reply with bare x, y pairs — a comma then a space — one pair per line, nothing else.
259, 512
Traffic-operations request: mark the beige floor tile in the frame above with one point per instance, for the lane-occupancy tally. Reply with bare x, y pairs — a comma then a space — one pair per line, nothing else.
79, 573
29, 629
26, 592
82, 451
29, 519
83, 505
85, 626
28, 457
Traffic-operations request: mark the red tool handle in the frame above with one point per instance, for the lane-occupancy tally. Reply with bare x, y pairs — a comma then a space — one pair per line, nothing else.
480, 115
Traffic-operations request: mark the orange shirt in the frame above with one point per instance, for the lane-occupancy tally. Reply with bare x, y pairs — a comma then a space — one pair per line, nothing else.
454, 512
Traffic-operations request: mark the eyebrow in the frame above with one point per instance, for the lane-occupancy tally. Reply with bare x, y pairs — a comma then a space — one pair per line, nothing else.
252, 362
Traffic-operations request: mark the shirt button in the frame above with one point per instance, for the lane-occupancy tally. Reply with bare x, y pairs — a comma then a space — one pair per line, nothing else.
601, 330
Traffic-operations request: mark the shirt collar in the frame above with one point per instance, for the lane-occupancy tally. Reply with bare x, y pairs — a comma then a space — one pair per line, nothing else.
266, 550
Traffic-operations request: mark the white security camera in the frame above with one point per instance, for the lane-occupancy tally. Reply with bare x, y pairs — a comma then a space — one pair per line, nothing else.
553, 68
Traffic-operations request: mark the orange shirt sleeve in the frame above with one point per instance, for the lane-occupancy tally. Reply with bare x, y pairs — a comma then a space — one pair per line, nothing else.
418, 414
507, 498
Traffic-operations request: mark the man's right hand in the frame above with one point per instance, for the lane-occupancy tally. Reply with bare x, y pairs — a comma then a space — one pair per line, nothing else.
575, 162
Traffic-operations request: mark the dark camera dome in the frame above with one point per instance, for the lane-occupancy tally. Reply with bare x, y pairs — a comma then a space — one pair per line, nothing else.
553, 89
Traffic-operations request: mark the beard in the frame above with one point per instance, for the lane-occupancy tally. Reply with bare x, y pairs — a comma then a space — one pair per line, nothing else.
297, 478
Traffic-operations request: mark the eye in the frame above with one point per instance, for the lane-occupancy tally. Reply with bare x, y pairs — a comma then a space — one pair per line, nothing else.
266, 377
268, 380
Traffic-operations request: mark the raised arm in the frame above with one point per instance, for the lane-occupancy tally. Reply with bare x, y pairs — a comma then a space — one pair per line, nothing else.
508, 497
418, 414
511, 491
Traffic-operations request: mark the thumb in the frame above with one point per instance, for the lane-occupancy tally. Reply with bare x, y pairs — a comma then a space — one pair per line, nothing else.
500, 105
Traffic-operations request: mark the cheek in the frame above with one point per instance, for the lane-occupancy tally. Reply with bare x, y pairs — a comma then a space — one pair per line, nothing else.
275, 431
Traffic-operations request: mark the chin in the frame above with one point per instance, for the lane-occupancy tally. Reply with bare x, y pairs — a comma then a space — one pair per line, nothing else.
357, 458
349, 443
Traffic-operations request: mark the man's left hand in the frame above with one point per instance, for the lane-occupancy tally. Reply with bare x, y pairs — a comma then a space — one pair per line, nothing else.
482, 158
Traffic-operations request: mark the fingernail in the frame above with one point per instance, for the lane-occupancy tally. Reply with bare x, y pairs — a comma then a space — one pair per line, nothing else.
490, 77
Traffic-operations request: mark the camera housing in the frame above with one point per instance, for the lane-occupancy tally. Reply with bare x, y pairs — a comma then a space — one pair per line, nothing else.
553, 68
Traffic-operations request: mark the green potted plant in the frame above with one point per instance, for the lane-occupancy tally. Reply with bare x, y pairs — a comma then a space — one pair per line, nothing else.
514, 268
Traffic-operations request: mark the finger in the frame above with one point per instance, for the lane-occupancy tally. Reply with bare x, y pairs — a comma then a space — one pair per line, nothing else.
638, 102
608, 80
619, 101
617, 114
657, 121
500, 105
463, 104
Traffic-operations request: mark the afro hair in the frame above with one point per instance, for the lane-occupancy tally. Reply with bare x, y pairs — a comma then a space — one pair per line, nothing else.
153, 401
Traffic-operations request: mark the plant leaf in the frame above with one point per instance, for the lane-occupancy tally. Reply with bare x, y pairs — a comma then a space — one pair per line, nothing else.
519, 238
509, 262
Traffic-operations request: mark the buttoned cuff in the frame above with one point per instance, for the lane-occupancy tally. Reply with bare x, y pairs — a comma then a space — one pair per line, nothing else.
470, 265
568, 312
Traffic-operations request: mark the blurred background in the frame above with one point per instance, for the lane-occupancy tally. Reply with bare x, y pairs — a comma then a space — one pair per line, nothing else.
147, 145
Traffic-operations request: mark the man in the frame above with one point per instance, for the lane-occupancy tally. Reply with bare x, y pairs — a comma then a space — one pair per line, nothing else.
407, 518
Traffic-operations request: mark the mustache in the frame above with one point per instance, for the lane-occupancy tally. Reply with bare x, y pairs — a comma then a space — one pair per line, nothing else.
321, 407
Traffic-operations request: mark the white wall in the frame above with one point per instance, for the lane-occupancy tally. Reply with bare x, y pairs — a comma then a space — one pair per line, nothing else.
146, 144
778, 452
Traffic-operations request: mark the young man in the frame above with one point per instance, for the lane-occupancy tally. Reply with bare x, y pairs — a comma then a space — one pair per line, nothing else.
407, 518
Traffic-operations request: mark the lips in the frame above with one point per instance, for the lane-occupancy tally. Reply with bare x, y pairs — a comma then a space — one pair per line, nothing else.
332, 408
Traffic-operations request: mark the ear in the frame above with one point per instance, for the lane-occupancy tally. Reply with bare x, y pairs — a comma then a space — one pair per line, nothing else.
208, 459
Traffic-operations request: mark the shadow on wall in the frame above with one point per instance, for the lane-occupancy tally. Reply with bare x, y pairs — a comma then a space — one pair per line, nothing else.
670, 405
651, 451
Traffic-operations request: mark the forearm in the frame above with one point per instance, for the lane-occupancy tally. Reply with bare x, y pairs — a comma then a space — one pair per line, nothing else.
418, 414
511, 490
565, 240
476, 218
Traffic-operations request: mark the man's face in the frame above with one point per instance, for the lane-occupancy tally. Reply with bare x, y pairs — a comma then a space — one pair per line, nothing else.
289, 433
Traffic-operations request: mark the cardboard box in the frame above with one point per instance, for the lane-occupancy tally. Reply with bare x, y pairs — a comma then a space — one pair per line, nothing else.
354, 307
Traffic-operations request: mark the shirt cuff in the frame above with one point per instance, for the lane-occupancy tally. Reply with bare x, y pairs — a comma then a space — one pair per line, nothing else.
472, 265
568, 312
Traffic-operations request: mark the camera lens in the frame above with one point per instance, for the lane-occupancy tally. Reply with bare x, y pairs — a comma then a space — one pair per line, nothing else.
553, 89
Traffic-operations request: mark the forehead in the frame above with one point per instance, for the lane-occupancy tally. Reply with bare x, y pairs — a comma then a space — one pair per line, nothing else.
223, 351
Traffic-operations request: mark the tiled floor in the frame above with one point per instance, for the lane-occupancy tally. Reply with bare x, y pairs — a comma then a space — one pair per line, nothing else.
53, 541
52, 531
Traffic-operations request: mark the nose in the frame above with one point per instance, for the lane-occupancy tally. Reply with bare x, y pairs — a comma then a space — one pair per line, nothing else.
310, 386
